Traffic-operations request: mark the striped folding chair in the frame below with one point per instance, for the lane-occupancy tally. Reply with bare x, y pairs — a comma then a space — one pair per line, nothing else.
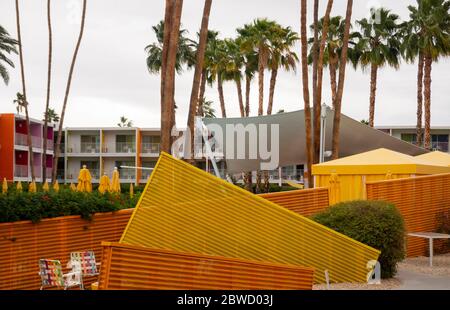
84, 262
51, 275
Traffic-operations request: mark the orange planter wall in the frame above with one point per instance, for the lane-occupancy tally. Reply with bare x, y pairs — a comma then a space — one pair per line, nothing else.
134, 267
23, 243
420, 201
305, 202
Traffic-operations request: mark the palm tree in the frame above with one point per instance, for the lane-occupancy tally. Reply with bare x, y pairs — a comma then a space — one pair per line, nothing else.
125, 122
428, 37
51, 116
282, 56
8, 46
47, 102
21, 100
207, 109
304, 58
185, 52
340, 89
378, 45
233, 69
66, 95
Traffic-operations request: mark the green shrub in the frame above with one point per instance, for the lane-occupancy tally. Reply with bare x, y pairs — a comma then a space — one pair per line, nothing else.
375, 223
16, 206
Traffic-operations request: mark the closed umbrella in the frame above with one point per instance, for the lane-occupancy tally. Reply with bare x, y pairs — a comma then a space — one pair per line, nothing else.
84, 180
4, 186
104, 184
19, 186
115, 182
45, 187
32, 187
72, 187
56, 186
131, 191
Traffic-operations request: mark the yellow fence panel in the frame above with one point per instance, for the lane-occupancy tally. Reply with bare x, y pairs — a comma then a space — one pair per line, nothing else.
186, 209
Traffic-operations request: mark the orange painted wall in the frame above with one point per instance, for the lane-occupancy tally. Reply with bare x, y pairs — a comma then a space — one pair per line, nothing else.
6, 146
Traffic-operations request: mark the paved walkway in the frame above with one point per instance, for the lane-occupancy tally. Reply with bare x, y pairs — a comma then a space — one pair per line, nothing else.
419, 281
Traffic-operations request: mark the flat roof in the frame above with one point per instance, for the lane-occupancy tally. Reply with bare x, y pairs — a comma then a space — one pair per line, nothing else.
412, 127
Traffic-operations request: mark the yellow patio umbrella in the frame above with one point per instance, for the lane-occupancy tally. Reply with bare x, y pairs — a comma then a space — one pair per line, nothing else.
84, 180
45, 187
115, 182
56, 186
335, 188
131, 191
19, 186
73, 188
104, 184
4, 186
32, 187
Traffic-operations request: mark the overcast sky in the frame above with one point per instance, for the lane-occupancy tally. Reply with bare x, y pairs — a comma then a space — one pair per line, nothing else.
111, 78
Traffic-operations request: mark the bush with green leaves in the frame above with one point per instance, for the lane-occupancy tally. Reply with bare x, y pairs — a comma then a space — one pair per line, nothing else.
375, 223
17, 206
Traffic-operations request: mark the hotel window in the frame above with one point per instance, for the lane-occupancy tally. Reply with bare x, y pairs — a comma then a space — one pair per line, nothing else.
439, 143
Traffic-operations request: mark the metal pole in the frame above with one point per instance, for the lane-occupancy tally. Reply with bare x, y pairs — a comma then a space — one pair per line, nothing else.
323, 118
431, 252
200, 126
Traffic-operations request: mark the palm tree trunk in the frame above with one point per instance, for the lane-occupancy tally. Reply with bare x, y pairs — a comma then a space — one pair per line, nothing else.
318, 98
221, 97
247, 95
373, 93
427, 105
333, 83
66, 96
201, 96
24, 93
304, 48
316, 107
197, 76
340, 89
239, 92
47, 102
273, 81
260, 83
420, 100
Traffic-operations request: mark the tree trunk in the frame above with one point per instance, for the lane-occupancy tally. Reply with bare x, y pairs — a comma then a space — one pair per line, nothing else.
24, 93
420, 100
316, 107
318, 99
273, 81
247, 95
221, 97
304, 49
248, 182
427, 105
373, 93
260, 83
239, 92
340, 89
66, 96
189, 150
333, 83
47, 102
201, 96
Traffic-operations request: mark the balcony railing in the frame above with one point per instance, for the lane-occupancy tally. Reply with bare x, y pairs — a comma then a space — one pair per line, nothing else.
48, 173
60, 174
36, 141
127, 174
73, 174
440, 146
84, 147
21, 139
120, 147
152, 148
145, 174
21, 171
50, 145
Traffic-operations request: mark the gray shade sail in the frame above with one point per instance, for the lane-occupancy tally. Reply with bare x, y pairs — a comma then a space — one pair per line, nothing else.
355, 138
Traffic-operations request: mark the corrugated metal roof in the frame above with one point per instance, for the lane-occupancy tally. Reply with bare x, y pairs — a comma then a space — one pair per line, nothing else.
186, 209
140, 268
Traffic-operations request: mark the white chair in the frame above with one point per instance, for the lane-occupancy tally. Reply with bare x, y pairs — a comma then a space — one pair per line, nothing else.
51, 275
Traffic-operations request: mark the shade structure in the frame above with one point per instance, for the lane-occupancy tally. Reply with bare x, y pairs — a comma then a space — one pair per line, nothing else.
56, 186
4, 186
354, 171
115, 181
84, 180
186, 209
32, 187
131, 191
45, 187
104, 184
19, 186
436, 158
72, 187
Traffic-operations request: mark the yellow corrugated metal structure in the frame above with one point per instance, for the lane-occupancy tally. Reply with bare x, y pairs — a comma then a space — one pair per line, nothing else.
436, 158
353, 172
23, 243
420, 200
140, 268
186, 209
305, 202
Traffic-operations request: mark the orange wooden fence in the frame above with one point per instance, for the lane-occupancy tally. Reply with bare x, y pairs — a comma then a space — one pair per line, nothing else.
23, 243
136, 267
420, 200
305, 202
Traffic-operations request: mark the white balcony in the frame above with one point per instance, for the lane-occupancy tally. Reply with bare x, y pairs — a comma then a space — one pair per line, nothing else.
21, 139
120, 148
150, 148
84, 148
73, 174
21, 171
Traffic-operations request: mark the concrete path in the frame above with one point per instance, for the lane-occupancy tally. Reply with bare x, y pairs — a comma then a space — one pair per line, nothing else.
419, 281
